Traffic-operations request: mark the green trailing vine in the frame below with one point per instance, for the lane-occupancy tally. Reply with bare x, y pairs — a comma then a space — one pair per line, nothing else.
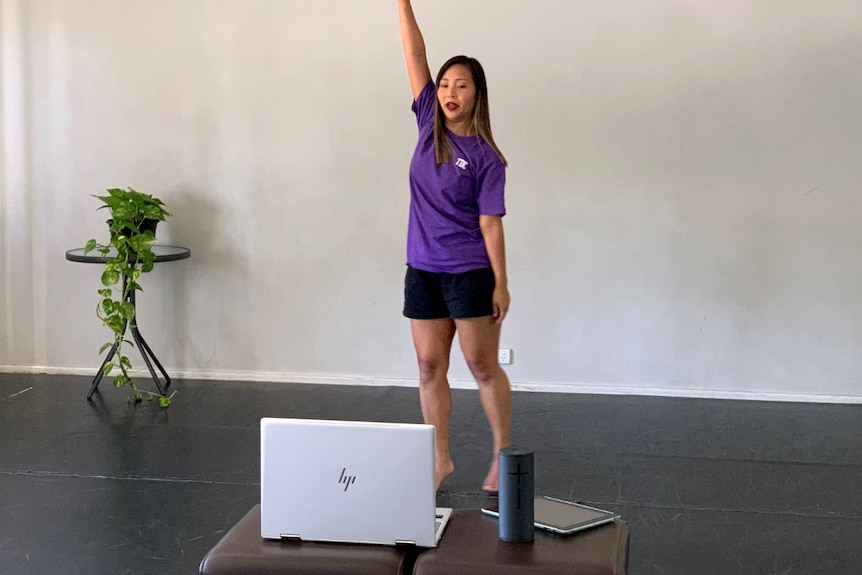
129, 254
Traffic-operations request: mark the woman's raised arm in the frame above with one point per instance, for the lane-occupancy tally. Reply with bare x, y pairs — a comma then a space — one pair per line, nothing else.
414, 48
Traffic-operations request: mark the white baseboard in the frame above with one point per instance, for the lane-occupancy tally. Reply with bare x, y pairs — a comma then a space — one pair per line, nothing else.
548, 387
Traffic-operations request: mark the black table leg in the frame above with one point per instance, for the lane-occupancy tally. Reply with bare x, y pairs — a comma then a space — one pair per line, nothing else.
147, 352
98, 378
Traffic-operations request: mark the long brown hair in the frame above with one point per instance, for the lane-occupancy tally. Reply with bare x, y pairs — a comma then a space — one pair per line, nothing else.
481, 116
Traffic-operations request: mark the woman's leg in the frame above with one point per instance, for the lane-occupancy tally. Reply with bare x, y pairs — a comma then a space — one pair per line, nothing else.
480, 339
432, 339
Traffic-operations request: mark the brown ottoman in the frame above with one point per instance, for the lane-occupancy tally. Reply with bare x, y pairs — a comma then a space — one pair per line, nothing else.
242, 551
471, 546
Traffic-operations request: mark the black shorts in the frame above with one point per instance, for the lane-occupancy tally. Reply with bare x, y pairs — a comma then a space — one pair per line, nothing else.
432, 295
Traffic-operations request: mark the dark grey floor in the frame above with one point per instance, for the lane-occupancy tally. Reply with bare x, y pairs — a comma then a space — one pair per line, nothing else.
707, 487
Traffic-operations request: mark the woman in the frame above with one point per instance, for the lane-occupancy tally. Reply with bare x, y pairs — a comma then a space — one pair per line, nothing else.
456, 275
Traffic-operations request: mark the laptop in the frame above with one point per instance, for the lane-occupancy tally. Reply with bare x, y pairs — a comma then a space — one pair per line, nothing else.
349, 482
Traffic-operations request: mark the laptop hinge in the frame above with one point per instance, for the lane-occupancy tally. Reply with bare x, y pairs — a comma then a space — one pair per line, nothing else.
291, 538
405, 542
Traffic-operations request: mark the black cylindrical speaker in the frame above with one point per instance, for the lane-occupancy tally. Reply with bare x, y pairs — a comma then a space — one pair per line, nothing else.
516, 495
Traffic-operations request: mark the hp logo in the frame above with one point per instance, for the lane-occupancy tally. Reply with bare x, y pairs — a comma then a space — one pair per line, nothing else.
347, 480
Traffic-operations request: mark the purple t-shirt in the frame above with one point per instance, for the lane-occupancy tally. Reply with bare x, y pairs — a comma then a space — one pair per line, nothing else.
446, 200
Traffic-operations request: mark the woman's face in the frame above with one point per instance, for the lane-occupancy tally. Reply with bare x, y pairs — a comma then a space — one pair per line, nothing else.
457, 95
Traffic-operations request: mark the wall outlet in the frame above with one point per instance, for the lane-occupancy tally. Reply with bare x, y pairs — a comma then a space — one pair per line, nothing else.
504, 356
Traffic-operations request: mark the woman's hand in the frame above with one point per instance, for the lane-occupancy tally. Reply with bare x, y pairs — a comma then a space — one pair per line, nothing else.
501, 301
495, 243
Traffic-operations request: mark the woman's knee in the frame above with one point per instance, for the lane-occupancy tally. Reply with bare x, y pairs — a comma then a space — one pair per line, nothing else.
484, 369
432, 369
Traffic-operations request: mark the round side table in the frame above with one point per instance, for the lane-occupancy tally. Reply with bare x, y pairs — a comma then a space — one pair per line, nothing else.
163, 254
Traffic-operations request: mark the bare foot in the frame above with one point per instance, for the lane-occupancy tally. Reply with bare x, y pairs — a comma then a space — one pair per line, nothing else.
492, 480
445, 468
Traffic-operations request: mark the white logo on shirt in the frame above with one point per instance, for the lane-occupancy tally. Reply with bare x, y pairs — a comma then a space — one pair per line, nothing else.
461, 163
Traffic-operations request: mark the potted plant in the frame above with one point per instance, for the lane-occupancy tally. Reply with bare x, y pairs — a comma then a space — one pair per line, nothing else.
134, 217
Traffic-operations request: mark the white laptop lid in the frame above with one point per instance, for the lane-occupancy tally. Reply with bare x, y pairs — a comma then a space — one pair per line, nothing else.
341, 481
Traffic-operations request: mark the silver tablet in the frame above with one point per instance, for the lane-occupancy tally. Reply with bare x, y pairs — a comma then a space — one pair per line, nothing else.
563, 516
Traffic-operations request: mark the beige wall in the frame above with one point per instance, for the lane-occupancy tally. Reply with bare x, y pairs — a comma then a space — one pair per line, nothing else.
684, 190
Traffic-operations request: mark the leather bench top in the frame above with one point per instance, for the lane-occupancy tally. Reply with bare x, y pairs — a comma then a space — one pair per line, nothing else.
242, 551
471, 546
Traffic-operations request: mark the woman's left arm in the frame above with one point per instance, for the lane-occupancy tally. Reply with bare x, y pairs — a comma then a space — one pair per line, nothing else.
492, 233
